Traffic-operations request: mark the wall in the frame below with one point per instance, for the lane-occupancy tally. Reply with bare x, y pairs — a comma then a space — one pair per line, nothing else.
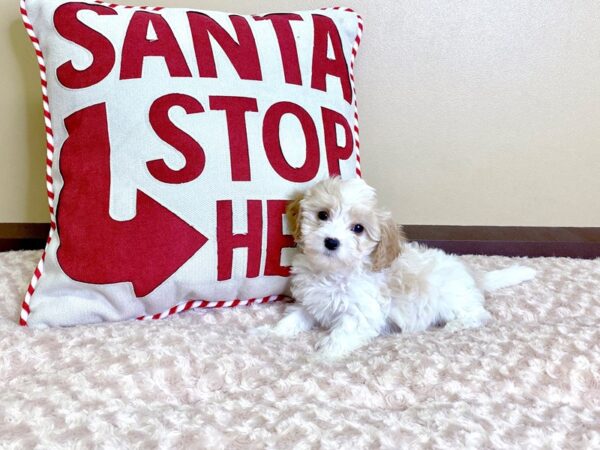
472, 112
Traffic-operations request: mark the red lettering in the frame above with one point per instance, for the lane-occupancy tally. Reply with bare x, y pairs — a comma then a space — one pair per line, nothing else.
227, 240
276, 240
95, 248
178, 139
242, 54
103, 53
136, 46
336, 152
235, 112
287, 44
325, 30
272, 142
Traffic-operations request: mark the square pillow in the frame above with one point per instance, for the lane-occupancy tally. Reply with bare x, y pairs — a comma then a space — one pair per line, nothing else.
175, 137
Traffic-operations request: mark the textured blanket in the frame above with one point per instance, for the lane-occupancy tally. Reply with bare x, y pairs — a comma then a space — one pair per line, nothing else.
201, 379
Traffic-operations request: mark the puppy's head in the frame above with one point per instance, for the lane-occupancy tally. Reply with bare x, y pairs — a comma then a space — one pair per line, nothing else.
338, 226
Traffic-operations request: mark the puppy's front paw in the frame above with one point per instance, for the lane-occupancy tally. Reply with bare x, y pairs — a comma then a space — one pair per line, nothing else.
331, 349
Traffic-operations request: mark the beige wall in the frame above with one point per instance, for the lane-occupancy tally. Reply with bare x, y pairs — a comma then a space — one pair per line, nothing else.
472, 112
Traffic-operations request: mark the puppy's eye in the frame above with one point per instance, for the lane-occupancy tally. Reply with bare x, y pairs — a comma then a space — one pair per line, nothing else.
358, 228
323, 215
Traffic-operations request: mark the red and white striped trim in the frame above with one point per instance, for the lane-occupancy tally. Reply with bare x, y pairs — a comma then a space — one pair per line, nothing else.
191, 304
49, 159
359, 32
184, 306
117, 6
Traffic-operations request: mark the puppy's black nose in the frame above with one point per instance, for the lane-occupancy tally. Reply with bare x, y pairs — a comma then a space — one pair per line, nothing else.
331, 243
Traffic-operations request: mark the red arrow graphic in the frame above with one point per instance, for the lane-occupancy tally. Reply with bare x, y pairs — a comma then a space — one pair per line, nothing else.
94, 248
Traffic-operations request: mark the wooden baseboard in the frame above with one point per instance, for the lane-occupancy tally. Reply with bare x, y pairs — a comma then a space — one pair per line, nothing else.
23, 236
532, 242
482, 240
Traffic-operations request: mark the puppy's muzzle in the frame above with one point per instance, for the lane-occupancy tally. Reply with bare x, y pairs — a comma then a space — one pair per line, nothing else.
331, 243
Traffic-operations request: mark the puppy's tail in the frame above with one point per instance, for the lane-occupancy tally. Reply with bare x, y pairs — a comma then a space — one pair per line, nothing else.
497, 279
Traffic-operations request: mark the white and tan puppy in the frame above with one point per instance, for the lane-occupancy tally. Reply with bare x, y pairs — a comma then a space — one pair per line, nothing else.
355, 275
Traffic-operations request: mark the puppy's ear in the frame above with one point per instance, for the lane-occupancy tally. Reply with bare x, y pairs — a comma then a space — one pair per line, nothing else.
390, 244
293, 212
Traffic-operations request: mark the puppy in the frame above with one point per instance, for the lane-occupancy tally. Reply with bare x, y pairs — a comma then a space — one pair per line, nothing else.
355, 275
